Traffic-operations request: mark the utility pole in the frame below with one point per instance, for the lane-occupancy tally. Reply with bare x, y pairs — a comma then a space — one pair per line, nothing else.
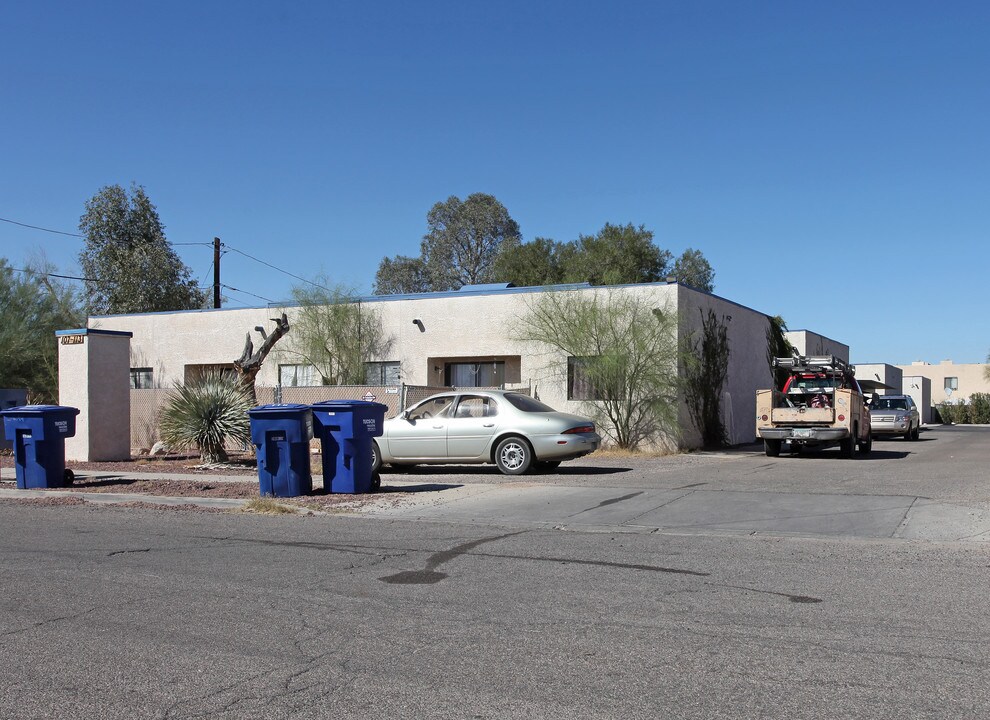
216, 273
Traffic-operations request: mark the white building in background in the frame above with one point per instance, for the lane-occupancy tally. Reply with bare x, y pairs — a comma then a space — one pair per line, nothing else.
459, 338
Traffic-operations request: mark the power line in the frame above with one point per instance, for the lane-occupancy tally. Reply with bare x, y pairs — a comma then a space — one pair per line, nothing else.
36, 227
240, 252
245, 292
64, 277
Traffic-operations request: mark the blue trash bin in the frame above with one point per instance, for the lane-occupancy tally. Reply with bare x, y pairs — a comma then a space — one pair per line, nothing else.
281, 435
38, 433
345, 429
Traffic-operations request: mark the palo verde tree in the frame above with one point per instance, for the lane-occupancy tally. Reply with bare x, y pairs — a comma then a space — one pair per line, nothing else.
33, 305
460, 247
130, 265
335, 333
621, 349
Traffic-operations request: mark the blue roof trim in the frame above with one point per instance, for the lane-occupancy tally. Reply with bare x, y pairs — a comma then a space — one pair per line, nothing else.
94, 331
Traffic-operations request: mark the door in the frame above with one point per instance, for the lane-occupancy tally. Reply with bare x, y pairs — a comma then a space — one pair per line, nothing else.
421, 432
471, 426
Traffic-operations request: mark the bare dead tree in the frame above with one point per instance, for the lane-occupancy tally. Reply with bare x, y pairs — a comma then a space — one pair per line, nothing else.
248, 365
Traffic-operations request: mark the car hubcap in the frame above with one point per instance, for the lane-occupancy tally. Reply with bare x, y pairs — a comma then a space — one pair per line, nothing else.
512, 456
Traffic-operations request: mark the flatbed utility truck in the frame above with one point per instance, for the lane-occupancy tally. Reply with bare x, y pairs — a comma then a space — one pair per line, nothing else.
821, 404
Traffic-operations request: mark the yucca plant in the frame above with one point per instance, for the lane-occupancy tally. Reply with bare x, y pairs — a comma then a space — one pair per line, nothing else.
206, 413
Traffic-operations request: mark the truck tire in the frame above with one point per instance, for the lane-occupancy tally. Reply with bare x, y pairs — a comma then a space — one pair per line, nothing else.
847, 446
771, 448
865, 446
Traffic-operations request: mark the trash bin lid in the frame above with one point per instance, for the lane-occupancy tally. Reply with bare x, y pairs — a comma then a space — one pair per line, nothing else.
279, 409
343, 404
39, 410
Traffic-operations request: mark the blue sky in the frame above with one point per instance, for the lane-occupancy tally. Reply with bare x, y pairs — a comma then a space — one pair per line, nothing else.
831, 160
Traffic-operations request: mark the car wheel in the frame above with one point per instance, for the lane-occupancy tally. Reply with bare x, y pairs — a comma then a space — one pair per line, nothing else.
771, 448
68, 477
865, 446
376, 482
847, 447
916, 433
376, 459
513, 456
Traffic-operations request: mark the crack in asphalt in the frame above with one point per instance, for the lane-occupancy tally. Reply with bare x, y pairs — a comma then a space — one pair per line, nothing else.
125, 552
611, 501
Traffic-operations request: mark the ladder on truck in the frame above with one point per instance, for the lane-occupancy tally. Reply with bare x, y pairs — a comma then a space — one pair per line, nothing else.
826, 364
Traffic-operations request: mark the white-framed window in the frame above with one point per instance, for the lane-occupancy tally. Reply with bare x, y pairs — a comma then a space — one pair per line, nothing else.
952, 383
298, 376
381, 373
142, 378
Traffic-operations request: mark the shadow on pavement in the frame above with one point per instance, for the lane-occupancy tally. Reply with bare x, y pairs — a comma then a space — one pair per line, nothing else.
422, 487
492, 471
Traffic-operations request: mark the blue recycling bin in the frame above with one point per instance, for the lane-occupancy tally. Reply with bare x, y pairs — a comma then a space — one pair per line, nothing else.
38, 433
345, 429
281, 435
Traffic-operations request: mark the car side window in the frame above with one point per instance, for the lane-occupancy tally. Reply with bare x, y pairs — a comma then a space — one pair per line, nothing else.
476, 406
437, 407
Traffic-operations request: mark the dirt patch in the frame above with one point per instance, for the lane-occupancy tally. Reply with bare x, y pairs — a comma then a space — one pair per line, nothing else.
171, 488
179, 464
47, 502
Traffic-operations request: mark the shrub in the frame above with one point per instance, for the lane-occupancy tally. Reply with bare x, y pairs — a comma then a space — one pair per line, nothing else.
206, 413
979, 408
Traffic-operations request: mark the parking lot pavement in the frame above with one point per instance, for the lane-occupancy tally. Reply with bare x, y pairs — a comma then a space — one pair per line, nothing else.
928, 490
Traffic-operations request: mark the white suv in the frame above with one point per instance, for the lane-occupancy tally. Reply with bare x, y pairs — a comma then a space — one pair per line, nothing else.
895, 415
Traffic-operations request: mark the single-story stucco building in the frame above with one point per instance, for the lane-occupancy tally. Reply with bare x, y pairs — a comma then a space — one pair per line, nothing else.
458, 338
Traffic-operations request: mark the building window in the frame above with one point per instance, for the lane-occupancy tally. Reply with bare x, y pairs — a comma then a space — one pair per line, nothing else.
952, 383
481, 374
298, 376
579, 386
381, 373
141, 378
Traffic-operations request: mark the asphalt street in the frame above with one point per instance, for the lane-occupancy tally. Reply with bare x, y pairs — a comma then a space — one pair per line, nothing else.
697, 586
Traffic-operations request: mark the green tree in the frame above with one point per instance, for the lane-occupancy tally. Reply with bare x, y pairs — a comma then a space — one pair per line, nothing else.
624, 347
460, 248
33, 306
532, 264
132, 266
616, 255
400, 275
693, 270
335, 333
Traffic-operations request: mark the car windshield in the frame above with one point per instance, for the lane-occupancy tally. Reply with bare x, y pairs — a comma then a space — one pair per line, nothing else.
526, 403
890, 404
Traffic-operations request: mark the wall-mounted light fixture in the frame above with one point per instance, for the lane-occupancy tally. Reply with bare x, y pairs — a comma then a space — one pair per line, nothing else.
419, 323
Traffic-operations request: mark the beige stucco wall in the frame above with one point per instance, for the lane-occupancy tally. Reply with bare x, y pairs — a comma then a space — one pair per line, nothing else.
472, 326
93, 375
887, 374
970, 376
807, 342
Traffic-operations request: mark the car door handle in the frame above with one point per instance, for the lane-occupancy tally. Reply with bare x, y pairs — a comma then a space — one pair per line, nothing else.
488, 425
437, 427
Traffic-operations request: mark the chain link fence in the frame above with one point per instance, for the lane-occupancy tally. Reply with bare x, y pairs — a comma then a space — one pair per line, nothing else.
147, 404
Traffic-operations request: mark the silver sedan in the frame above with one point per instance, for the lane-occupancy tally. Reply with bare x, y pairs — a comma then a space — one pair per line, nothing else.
511, 430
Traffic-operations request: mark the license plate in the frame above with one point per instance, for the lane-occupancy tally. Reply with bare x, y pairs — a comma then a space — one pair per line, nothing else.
802, 433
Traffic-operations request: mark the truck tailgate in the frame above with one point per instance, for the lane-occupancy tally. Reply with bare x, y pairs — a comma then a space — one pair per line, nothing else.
801, 416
